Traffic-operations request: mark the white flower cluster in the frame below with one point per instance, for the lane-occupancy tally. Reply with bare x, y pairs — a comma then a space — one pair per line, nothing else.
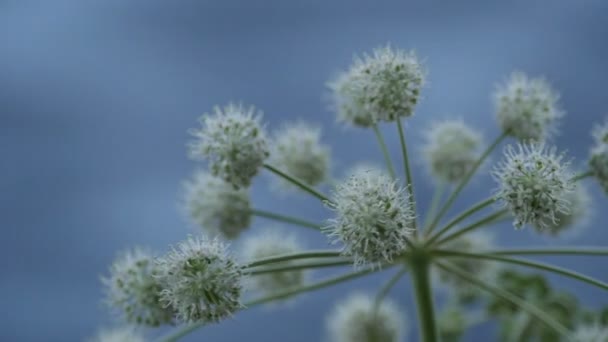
357, 320
234, 141
527, 108
123, 334
200, 281
133, 289
374, 218
599, 155
384, 86
216, 206
579, 211
534, 182
451, 150
297, 150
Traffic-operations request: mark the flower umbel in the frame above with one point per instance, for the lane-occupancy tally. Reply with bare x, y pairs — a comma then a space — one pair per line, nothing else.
534, 182
373, 218
356, 320
384, 86
234, 141
132, 288
527, 108
216, 206
200, 280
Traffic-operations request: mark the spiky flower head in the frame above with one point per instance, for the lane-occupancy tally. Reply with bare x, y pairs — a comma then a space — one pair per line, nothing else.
383, 86
234, 141
579, 209
451, 150
269, 244
216, 206
122, 334
297, 149
373, 218
527, 108
133, 289
200, 281
356, 320
598, 161
534, 181
590, 333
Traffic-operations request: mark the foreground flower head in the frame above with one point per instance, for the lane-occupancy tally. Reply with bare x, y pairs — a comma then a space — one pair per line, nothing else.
133, 289
527, 108
384, 86
451, 150
123, 334
534, 182
355, 320
200, 281
298, 151
579, 210
373, 218
268, 244
216, 206
234, 142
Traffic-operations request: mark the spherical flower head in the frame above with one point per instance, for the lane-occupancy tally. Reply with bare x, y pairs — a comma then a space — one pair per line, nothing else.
269, 244
297, 150
579, 210
373, 219
200, 281
133, 289
534, 182
216, 206
451, 150
590, 333
234, 141
123, 334
383, 86
527, 108
356, 320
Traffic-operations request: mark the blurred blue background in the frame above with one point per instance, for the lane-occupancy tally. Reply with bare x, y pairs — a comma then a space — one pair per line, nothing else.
96, 98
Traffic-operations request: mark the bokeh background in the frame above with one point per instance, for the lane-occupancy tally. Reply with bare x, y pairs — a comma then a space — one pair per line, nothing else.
96, 98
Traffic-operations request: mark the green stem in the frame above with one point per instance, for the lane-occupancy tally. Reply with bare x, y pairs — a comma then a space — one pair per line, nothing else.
582, 176
595, 251
477, 207
465, 181
387, 287
387, 157
475, 225
298, 183
286, 219
420, 274
500, 293
437, 195
294, 256
406, 167
527, 263
300, 266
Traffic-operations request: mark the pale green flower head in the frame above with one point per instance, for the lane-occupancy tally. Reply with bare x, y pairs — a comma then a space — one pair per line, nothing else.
233, 141
123, 334
451, 324
451, 150
373, 218
383, 86
527, 108
133, 290
216, 206
533, 182
200, 280
579, 211
354, 320
297, 150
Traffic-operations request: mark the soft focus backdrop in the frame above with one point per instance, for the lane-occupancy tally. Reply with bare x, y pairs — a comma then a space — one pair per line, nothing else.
96, 98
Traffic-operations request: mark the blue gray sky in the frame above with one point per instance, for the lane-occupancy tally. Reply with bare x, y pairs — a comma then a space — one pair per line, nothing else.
96, 98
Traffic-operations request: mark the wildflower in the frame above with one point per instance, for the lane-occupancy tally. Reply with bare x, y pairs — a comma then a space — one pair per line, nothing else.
527, 108
299, 152
382, 87
123, 334
216, 206
357, 320
269, 244
579, 209
373, 218
598, 161
534, 182
200, 281
452, 150
132, 288
234, 142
